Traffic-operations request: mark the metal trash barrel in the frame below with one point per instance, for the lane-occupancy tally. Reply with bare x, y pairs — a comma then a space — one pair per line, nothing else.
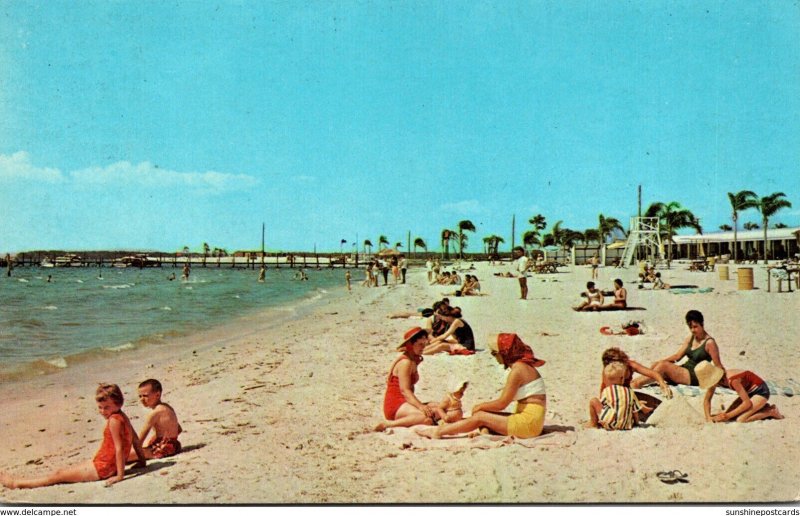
745, 278
723, 272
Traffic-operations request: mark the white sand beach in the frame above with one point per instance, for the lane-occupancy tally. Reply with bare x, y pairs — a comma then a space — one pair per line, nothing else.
279, 411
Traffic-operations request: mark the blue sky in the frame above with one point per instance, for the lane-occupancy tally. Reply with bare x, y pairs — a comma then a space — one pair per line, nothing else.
155, 125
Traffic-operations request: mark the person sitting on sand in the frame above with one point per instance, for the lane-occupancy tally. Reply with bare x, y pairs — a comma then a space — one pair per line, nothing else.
612, 355
109, 461
620, 298
698, 347
456, 339
594, 298
659, 284
450, 410
471, 286
524, 384
400, 405
751, 405
162, 421
618, 406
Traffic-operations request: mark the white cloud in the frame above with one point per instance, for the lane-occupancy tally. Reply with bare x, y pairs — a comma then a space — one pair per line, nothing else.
18, 167
468, 208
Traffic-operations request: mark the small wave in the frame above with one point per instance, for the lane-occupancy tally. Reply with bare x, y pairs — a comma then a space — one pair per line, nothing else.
79, 281
124, 285
50, 307
322, 291
237, 296
58, 362
166, 308
22, 280
121, 347
188, 288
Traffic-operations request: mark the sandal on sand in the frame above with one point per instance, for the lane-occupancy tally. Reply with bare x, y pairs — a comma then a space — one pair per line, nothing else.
672, 477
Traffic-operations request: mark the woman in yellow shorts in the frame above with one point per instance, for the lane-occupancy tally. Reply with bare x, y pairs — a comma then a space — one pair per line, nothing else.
524, 385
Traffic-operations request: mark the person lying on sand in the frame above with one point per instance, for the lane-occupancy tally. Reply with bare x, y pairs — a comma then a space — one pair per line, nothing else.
618, 406
751, 405
524, 385
698, 347
162, 421
401, 407
109, 461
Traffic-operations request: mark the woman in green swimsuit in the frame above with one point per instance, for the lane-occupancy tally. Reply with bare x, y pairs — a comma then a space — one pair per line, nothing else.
699, 346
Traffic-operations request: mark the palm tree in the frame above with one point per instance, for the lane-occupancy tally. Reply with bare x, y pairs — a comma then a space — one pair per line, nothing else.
397, 245
367, 244
418, 242
741, 201
382, 240
768, 206
727, 227
591, 235
672, 216
780, 225
206, 250
492, 242
446, 235
606, 227
464, 225
530, 239
751, 226
539, 222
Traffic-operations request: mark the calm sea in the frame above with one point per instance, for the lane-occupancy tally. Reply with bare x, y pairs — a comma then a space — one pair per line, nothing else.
87, 310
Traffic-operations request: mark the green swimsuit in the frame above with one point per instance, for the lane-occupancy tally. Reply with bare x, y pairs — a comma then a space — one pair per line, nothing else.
694, 357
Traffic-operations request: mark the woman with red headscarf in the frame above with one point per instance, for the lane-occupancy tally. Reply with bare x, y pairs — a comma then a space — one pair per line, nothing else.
524, 385
400, 405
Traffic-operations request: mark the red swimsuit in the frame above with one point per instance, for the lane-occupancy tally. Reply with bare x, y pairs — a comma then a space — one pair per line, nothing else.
393, 398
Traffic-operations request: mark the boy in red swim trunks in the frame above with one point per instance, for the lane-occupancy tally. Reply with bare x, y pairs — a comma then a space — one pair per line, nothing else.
163, 421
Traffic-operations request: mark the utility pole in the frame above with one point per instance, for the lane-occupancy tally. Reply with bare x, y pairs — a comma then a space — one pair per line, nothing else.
513, 222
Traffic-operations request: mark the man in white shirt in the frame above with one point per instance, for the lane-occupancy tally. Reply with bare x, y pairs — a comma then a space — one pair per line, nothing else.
521, 268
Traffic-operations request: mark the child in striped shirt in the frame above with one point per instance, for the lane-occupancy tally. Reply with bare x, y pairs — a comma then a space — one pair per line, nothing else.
617, 407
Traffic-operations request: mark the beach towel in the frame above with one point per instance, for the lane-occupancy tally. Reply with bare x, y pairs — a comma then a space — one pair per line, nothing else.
408, 439
705, 290
788, 387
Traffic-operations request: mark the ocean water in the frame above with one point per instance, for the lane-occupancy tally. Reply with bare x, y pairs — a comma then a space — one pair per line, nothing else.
87, 311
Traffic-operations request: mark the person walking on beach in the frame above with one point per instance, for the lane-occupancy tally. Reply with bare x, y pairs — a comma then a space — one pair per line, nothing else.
262, 274
594, 261
109, 462
521, 268
385, 271
429, 268
401, 407
185, 276
347, 279
524, 385
403, 267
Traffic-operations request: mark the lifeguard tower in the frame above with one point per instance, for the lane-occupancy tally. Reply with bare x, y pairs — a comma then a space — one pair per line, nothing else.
644, 241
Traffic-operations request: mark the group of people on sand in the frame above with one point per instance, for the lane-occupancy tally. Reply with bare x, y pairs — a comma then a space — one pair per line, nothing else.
121, 444
398, 265
618, 407
524, 385
594, 298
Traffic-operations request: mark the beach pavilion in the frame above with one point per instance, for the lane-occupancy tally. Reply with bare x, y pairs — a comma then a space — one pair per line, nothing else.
782, 243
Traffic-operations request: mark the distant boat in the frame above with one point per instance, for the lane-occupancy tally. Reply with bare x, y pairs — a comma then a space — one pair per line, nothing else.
46, 263
138, 260
69, 260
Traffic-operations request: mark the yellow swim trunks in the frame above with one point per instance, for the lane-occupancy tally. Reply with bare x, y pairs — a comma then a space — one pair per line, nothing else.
527, 421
